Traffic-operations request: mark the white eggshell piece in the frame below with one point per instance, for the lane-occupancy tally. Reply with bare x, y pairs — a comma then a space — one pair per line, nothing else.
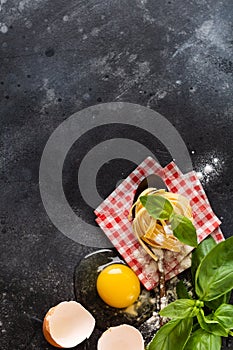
123, 337
70, 324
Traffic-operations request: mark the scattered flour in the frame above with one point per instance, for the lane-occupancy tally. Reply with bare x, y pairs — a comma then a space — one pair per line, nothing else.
208, 171
152, 324
210, 32
2, 2
3, 28
132, 57
50, 96
204, 30
95, 31
28, 23
161, 94
146, 15
65, 18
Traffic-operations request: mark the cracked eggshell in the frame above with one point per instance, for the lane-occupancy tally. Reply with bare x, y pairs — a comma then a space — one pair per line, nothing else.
68, 324
123, 337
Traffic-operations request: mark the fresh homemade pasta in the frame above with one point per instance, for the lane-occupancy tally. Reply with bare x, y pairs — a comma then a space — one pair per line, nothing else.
157, 233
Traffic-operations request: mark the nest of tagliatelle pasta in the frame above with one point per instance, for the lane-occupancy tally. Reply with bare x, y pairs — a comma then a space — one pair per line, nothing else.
155, 232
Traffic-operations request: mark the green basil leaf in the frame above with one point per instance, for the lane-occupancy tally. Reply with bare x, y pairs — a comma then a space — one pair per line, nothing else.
214, 276
181, 291
184, 230
200, 252
175, 332
211, 326
202, 340
224, 315
214, 304
157, 206
181, 308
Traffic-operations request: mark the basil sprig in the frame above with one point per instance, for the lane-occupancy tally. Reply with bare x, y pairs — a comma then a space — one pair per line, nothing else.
161, 208
190, 326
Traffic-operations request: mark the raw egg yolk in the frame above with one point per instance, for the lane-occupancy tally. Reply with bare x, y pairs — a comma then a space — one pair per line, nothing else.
118, 286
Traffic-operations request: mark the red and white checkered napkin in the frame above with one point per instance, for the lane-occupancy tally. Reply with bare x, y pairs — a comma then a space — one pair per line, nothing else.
112, 217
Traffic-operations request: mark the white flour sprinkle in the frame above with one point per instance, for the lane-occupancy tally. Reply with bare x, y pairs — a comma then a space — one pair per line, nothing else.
152, 324
208, 169
161, 94
22, 5
159, 238
28, 23
168, 230
4, 28
1, 3
163, 303
66, 18
50, 95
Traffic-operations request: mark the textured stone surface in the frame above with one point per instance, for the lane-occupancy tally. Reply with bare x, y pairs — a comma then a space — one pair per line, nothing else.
58, 57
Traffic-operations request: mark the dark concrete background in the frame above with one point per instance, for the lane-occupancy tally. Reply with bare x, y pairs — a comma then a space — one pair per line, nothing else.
58, 57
